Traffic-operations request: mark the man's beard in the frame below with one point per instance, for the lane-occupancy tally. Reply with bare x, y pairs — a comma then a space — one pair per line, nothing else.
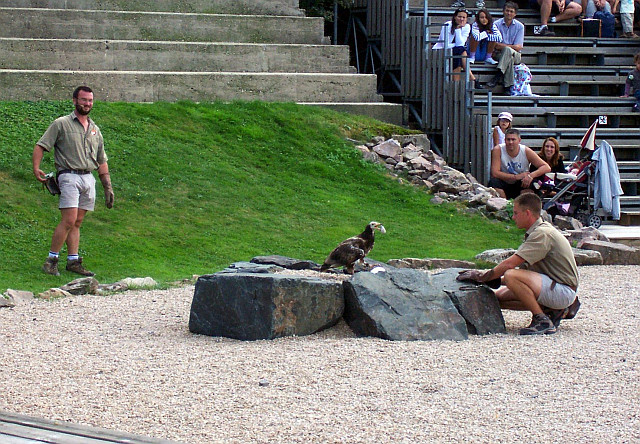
80, 110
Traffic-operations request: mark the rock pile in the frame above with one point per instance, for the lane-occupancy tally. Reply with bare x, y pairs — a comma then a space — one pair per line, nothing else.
410, 157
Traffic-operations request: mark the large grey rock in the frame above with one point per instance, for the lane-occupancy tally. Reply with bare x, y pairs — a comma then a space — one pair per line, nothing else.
587, 257
401, 305
286, 262
613, 253
477, 304
252, 306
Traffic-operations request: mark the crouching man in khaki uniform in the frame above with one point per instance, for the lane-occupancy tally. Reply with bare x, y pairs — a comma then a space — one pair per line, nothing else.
78, 150
541, 277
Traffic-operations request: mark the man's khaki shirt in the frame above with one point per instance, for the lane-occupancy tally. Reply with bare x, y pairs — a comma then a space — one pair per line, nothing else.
547, 251
75, 148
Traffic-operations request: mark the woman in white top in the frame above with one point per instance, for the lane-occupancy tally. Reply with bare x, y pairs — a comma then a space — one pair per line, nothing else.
456, 33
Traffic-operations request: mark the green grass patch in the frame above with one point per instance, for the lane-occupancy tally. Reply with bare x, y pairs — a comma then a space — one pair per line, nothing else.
199, 186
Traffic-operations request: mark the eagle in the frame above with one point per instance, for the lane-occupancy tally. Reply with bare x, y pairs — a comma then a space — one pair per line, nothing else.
349, 251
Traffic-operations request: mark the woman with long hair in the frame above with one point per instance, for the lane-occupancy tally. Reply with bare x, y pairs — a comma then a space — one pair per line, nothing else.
455, 33
484, 36
550, 153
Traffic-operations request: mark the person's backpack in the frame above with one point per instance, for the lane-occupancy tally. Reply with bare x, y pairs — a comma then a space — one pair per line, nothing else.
608, 23
521, 81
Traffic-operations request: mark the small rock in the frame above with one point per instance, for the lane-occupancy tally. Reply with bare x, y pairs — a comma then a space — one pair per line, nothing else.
86, 285
496, 255
263, 383
567, 223
496, 204
17, 297
53, 293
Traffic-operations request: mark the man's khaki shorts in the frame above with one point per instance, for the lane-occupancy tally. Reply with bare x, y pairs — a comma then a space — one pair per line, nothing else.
556, 296
77, 191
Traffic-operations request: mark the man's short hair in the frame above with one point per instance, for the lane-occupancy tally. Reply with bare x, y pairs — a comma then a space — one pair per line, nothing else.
529, 201
81, 88
636, 57
511, 5
512, 131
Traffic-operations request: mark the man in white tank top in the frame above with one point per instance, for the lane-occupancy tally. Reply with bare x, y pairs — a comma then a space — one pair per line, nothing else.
510, 163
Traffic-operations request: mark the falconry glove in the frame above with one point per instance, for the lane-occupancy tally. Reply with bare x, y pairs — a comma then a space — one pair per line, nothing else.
108, 190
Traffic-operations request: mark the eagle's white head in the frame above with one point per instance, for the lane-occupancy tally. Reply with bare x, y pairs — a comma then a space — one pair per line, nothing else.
377, 226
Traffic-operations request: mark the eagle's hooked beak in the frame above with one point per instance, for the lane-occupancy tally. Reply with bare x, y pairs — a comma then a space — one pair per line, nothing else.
381, 228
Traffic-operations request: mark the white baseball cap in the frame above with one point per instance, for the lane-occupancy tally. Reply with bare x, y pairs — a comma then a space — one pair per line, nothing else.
505, 115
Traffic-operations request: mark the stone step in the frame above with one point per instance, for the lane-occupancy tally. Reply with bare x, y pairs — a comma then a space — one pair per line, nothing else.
159, 26
153, 86
267, 7
135, 55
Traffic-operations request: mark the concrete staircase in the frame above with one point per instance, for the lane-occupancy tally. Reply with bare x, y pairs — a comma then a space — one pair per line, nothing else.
169, 50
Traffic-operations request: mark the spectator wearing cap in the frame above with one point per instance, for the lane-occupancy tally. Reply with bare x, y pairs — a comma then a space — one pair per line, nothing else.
504, 123
455, 33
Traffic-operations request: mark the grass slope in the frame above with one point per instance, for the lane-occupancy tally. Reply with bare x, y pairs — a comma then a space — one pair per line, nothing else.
199, 186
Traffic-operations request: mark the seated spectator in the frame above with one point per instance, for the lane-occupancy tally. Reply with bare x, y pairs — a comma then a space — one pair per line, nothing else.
554, 11
589, 7
455, 33
484, 35
632, 84
504, 123
508, 51
550, 153
510, 166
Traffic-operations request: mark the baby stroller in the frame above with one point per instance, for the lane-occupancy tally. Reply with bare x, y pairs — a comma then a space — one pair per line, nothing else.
571, 194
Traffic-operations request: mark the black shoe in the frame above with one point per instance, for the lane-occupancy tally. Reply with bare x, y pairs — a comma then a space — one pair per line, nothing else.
572, 309
555, 316
479, 85
540, 325
498, 78
546, 32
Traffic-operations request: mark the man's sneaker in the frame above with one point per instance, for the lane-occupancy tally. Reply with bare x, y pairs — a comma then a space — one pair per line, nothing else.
471, 60
572, 309
479, 4
636, 108
540, 325
544, 31
490, 61
51, 266
552, 19
555, 316
76, 267
458, 4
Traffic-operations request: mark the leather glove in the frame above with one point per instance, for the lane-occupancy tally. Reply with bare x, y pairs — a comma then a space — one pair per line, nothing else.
470, 275
479, 277
108, 190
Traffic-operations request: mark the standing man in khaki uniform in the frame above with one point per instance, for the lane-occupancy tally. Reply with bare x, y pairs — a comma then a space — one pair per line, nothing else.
541, 276
78, 150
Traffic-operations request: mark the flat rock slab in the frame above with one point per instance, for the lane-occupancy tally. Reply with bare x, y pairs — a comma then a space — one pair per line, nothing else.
477, 304
613, 253
250, 306
587, 257
402, 305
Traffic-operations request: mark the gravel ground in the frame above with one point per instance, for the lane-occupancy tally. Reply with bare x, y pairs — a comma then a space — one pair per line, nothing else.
128, 362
